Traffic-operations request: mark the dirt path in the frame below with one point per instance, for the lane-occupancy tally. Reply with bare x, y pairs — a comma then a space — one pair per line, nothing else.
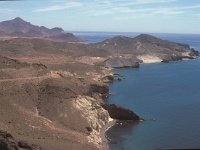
27, 78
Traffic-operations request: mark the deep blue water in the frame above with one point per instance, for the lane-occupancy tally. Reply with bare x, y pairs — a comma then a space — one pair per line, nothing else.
166, 95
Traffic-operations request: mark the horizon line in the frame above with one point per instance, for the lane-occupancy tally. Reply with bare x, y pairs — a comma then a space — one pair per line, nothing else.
139, 32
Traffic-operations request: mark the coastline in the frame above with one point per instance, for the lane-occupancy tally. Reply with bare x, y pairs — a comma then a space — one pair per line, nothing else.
105, 141
109, 125
85, 84
150, 125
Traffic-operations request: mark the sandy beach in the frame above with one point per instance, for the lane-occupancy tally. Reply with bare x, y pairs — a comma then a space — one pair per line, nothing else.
149, 59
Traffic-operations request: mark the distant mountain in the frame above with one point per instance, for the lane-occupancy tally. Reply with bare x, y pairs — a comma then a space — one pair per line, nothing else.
20, 28
2, 34
118, 51
145, 44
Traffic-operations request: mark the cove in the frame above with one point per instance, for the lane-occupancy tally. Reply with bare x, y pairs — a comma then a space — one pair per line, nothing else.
167, 96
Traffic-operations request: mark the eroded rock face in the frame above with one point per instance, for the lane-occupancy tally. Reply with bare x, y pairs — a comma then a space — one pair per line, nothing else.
96, 116
120, 113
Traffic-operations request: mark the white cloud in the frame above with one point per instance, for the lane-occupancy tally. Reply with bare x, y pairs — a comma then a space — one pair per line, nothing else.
130, 12
8, 11
167, 12
99, 13
116, 8
59, 7
125, 17
153, 1
120, 8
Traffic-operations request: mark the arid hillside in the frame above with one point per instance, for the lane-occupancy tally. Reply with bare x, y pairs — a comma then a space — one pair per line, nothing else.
119, 51
51, 108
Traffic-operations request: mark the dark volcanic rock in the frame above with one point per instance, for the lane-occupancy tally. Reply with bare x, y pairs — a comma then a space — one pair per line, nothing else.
120, 113
118, 62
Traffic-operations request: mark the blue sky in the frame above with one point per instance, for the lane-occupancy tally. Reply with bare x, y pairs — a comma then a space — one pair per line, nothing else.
164, 16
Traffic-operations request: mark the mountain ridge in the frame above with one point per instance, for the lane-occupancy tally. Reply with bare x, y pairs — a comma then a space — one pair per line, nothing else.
17, 27
31, 40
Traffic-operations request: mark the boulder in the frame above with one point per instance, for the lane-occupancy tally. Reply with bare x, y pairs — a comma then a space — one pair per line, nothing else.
121, 62
120, 113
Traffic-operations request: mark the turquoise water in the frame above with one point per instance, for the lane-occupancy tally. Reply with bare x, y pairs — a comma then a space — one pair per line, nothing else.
167, 96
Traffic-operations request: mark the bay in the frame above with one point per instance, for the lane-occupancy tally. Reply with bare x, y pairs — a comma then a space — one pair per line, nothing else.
167, 96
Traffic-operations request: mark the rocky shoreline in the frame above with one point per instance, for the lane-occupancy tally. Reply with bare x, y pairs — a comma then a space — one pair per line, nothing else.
58, 107
117, 114
62, 104
53, 88
91, 104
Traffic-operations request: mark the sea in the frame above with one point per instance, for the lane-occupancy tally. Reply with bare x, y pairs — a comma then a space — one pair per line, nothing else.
165, 95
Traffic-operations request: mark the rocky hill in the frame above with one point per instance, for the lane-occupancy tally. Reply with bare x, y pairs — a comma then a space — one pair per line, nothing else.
146, 48
31, 39
20, 28
118, 51
51, 108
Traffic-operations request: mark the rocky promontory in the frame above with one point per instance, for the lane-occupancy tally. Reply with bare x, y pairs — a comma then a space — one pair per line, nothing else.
120, 113
126, 51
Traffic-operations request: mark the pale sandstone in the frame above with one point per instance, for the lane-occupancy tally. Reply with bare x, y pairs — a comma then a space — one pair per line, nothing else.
96, 116
149, 59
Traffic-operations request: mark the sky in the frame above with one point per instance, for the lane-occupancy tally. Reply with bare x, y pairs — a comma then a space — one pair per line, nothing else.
146, 16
